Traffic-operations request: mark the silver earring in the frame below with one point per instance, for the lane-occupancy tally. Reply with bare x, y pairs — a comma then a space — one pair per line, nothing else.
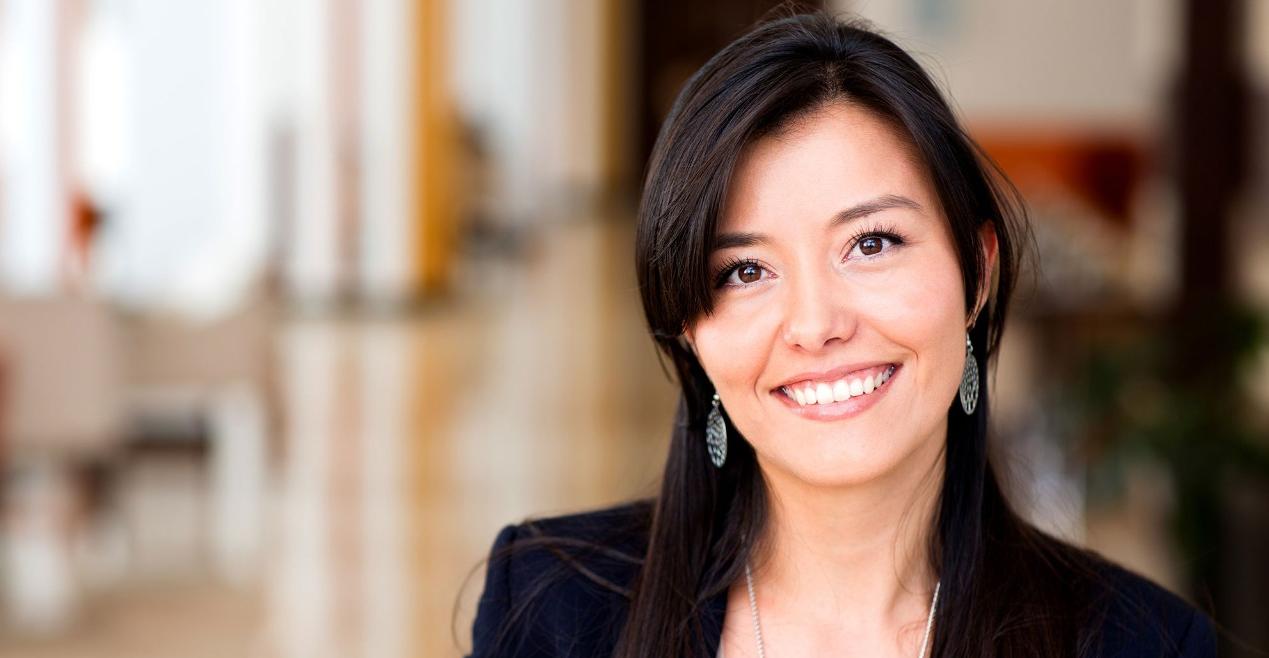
716, 435
969, 379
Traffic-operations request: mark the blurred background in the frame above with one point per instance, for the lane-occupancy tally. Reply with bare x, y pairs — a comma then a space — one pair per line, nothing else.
302, 300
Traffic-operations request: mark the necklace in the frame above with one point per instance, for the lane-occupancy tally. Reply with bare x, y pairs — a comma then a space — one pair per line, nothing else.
757, 628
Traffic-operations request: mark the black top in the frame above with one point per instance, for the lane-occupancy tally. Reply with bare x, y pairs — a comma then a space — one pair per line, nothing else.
577, 616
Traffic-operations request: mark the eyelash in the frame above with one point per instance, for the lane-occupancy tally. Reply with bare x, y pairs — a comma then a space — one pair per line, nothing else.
724, 271
887, 231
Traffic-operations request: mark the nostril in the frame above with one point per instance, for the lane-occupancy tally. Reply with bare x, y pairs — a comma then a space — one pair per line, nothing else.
816, 330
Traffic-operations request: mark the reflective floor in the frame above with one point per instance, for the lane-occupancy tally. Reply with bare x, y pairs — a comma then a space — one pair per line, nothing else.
404, 444
411, 442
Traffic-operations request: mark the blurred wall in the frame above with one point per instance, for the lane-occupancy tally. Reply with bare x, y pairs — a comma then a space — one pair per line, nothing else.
31, 163
532, 81
1081, 61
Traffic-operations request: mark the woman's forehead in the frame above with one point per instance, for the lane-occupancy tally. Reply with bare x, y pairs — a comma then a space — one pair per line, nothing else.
838, 157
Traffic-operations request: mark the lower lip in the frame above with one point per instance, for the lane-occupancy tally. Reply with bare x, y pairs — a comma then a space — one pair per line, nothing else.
839, 410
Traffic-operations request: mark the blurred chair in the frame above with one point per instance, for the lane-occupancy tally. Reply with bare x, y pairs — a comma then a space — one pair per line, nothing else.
62, 415
65, 379
134, 446
200, 406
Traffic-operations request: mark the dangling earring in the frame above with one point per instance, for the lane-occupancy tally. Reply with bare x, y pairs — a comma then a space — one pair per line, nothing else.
969, 379
716, 435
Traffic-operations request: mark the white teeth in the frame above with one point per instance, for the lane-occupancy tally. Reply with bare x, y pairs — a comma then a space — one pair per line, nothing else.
838, 391
841, 391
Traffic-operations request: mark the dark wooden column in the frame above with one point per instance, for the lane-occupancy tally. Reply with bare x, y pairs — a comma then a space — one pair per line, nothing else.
675, 38
1211, 136
1210, 331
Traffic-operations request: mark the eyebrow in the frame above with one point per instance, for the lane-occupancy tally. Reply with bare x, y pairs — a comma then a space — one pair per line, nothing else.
859, 211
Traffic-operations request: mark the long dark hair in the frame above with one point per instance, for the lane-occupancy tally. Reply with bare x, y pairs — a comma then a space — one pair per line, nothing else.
706, 519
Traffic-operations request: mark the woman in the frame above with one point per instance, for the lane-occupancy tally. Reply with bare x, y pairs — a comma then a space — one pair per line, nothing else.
827, 260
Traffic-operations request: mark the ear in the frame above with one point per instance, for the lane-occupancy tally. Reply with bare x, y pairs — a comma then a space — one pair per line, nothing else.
987, 237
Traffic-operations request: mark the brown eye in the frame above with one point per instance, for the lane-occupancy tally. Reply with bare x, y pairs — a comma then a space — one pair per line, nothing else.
875, 244
749, 273
740, 274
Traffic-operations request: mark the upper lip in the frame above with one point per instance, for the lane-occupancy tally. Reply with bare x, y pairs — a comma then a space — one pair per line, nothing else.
834, 374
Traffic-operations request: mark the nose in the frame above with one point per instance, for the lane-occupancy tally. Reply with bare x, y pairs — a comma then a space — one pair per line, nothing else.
817, 312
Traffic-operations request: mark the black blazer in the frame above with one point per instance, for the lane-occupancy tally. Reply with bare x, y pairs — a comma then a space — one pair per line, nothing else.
575, 616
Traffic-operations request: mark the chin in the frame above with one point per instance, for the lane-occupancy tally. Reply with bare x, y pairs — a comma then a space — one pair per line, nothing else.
837, 471
835, 461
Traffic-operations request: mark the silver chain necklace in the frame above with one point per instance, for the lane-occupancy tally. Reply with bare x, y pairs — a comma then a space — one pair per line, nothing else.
757, 628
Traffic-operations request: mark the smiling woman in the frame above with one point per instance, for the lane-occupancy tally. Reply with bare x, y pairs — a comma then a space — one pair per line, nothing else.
825, 256
837, 288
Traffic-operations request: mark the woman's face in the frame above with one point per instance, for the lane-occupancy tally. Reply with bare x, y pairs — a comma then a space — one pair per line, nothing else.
837, 341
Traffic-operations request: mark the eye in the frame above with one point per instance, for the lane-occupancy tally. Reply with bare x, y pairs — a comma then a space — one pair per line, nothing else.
874, 242
739, 273
747, 273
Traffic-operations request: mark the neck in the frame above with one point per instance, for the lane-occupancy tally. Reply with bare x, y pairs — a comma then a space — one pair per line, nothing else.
857, 552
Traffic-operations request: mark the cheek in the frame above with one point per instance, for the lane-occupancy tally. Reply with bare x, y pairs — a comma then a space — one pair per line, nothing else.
733, 347
922, 309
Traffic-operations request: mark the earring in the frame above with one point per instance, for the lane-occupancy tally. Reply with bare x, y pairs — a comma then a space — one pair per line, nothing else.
969, 379
716, 435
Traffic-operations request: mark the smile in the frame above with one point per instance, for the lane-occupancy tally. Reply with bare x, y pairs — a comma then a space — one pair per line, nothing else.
847, 396
863, 383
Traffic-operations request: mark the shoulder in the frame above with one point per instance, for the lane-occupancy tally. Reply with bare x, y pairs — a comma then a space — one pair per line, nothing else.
1117, 613
559, 586
1138, 617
